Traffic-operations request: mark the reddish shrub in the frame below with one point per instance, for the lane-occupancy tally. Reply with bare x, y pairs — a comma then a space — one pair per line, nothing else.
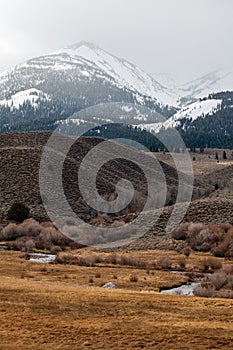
181, 232
218, 280
204, 289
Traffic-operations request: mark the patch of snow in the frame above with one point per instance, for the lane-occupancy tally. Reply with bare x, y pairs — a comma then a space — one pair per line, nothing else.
153, 127
126, 109
31, 95
191, 112
109, 285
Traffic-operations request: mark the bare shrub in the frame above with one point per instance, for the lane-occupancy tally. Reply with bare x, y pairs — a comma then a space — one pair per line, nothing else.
30, 227
203, 236
91, 280
214, 264
75, 260
204, 289
204, 247
94, 259
217, 238
205, 264
225, 226
99, 259
97, 275
195, 227
228, 269
43, 269
55, 249
181, 232
182, 262
216, 232
230, 282
226, 294
112, 259
186, 251
29, 245
11, 232
218, 280
125, 260
133, 279
47, 224
220, 249
165, 262
194, 239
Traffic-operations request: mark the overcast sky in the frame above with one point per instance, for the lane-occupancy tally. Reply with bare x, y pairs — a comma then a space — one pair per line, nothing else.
184, 38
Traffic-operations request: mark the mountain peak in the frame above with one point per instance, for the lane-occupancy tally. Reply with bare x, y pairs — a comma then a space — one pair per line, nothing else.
83, 43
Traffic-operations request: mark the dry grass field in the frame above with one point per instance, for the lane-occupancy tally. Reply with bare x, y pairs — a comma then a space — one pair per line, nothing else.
48, 307
63, 306
204, 163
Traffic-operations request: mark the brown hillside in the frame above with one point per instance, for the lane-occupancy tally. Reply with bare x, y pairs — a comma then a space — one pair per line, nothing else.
20, 155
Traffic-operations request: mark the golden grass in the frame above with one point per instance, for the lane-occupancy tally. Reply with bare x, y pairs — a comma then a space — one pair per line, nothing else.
39, 311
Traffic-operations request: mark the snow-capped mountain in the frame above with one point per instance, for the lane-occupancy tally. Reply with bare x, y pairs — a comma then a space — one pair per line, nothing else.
84, 63
126, 74
45, 90
64, 82
216, 81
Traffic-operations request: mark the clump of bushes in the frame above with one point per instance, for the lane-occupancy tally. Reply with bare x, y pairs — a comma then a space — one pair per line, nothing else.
214, 238
94, 259
31, 234
204, 289
219, 284
88, 261
211, 263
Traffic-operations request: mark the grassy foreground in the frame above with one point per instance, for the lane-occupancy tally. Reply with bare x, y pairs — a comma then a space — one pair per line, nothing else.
38, 312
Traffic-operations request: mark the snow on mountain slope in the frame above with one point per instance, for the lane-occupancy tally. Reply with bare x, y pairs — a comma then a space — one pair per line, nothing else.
219, 80
31, 95
190, 112
81, 76
165, 79
216, 81
124, 72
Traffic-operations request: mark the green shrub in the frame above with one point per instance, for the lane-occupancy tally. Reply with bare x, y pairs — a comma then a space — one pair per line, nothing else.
18, 212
